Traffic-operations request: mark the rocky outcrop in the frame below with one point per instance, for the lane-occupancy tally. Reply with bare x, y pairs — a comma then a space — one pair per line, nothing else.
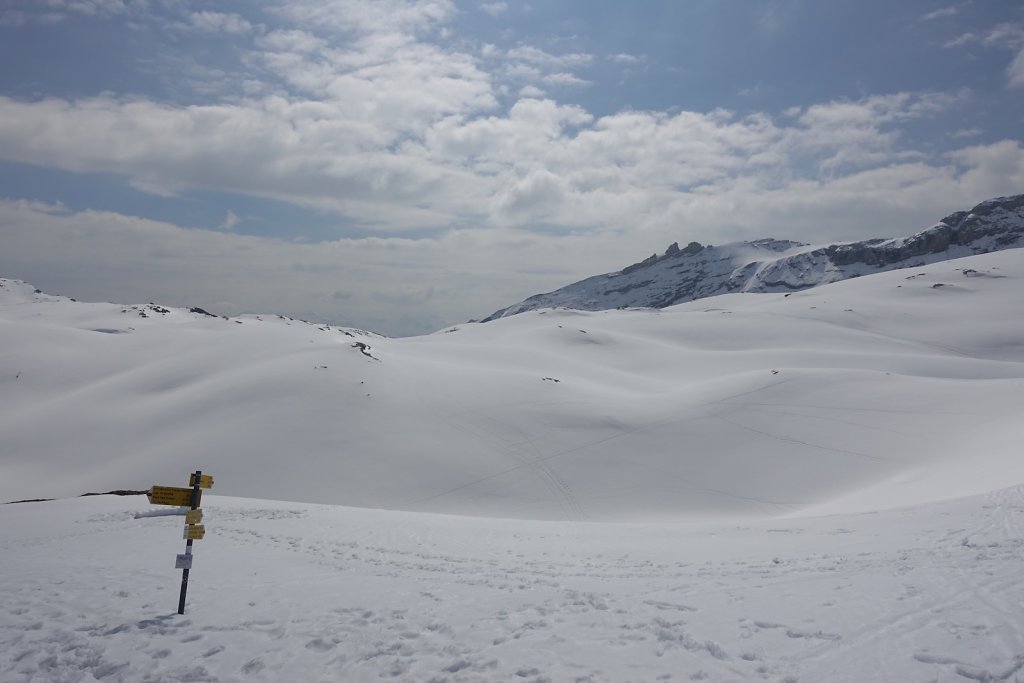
769, 265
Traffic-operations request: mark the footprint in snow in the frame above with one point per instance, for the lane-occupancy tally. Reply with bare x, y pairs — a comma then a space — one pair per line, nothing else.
253, 666
320, 645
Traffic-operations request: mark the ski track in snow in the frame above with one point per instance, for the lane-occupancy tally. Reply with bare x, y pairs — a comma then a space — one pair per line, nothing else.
294, 592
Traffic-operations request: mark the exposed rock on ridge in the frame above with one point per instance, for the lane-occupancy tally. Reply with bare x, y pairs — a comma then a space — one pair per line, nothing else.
771, 265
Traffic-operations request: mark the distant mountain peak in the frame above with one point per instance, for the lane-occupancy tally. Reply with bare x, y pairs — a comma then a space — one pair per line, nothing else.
772, 265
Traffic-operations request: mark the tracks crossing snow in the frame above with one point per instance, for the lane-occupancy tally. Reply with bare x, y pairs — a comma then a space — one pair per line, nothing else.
319, 593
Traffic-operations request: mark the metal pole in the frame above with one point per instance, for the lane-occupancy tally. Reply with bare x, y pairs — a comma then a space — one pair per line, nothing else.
188, 545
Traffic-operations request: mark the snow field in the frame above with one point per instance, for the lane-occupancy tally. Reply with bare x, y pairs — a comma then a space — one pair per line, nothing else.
291, 591
824, 486
867, 393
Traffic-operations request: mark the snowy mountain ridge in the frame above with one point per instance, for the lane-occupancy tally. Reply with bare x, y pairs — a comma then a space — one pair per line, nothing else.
769, 265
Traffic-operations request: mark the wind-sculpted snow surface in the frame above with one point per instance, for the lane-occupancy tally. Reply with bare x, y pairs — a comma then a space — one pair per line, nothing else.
770, 265
881, 391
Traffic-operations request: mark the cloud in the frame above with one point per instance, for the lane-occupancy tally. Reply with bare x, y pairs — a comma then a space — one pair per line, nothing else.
332, 138
961, 40
772, 16
460, 162
291, 41
229, 222
440, 161
360, 16
847, 134
1015, 72
537, 67
533, 196
627, 59
563, 78
386, 84
1006, 36
997, 169
967, 133
56, 11
878, 109
756, 90
535, 55
430, 283
942, 13
218, 22
494, 8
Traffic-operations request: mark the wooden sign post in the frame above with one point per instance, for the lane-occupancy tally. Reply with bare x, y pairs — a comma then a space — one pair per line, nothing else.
171, 495
194, 531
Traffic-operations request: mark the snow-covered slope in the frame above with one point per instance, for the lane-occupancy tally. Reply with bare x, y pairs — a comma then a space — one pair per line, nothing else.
770, 265
897, 388
837, 411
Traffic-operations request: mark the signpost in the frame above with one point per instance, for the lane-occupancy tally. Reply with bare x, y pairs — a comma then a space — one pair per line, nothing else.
172, 495
205, 481
194, 531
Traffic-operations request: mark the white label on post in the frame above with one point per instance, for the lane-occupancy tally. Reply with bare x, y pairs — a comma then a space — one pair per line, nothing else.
183, 562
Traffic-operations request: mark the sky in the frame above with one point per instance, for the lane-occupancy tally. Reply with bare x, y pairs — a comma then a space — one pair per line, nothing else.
402, 166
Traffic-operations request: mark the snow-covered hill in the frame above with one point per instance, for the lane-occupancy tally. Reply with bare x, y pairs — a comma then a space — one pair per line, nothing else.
698, 271
901, 387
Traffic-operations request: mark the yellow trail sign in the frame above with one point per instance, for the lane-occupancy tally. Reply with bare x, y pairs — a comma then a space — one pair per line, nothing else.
194, 532
205, 481
193, 516
172, 495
